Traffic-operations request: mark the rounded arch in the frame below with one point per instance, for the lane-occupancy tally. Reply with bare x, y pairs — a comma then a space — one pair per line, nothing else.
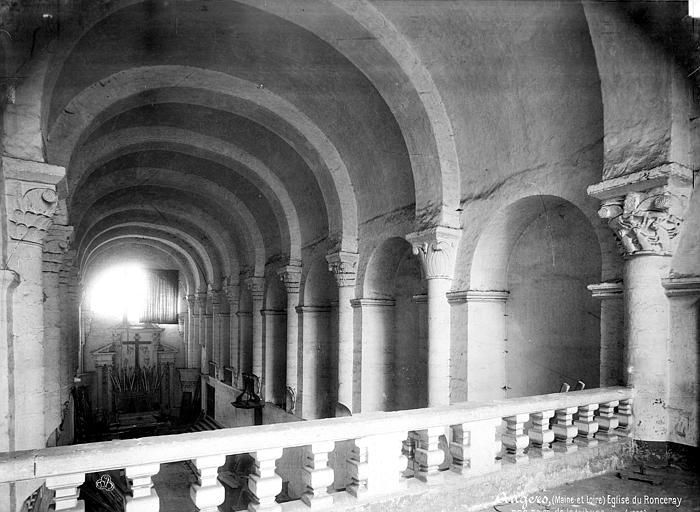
192, 276
111, 253
216, 241
532, 323
102, 150
212, 271
260, 105
196, 267
401, 78
207, 193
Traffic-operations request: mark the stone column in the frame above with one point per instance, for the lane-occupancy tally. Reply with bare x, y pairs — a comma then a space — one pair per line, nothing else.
344, 268
30, 201
215, 299
436, 249
200, 299
291, 277
645, 211
256, 285
208, 320
190, 333
233, 294
612, 336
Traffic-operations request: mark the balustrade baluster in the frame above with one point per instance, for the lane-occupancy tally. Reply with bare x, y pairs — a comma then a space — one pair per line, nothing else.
66, 492
624, 415
586, 425
265, 484
428, 454
607, 422
564, 430
514, 439
143, 496
474, 447
208, 493
358, 468
541, 436
377, 464
318, 475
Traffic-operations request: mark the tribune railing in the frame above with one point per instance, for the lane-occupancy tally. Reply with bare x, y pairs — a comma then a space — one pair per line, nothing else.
387, 448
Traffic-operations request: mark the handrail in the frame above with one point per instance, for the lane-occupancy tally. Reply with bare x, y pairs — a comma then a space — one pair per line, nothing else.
102, 456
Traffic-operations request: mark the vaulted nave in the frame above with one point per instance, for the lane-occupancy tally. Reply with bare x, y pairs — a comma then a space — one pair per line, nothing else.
339, 254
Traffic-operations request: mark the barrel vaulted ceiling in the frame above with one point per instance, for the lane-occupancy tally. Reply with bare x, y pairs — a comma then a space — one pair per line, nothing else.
229, 138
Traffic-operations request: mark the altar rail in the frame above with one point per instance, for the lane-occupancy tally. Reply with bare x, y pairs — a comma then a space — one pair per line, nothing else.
389, 447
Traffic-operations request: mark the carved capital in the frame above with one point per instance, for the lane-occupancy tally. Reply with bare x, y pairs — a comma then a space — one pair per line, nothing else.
256, 286
30, 214
190, 301
437, 249
344, 267
290, 275
644, 222
645, 209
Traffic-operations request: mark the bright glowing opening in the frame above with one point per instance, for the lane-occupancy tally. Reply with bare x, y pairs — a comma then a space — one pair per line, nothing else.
119, 291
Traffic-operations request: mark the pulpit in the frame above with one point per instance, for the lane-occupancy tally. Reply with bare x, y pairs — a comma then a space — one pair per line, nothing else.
135, 372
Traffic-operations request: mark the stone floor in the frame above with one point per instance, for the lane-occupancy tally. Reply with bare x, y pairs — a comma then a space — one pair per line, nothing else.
658, 489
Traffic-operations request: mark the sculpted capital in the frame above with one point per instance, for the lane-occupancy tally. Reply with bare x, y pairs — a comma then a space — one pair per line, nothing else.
290, 275
30, 215
437, 249
343, 265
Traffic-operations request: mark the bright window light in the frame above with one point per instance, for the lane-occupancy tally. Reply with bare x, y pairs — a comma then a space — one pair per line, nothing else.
119, 291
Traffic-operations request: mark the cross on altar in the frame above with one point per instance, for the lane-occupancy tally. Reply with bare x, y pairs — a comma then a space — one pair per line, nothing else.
137, 343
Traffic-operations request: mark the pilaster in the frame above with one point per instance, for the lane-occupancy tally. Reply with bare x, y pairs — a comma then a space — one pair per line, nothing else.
256, 286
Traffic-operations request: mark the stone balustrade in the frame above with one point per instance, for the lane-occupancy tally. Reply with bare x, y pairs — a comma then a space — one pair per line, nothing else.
464, 439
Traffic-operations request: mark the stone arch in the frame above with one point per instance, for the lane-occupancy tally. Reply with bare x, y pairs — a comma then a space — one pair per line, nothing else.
215, 244
106, 148
199, 278
394, 329
101, 257
225, 201
211, 268
273, 112
402, 80
528, 282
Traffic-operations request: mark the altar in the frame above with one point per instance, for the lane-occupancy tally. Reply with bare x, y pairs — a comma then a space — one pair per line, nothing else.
135, 372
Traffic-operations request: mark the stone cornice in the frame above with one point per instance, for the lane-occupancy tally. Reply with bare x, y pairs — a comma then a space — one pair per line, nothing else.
606, 290
667, 174
313, 309
437, 249
462, 296
681, 286
372, 303
273, 312
30, 171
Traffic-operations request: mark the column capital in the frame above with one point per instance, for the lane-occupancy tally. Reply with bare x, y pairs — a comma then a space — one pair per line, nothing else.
437, 249
343, 265
190, 301
200, 299
645, 209
233, 294
290, 275
256, 286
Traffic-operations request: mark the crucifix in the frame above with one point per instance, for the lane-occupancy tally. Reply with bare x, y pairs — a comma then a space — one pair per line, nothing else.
137, 343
